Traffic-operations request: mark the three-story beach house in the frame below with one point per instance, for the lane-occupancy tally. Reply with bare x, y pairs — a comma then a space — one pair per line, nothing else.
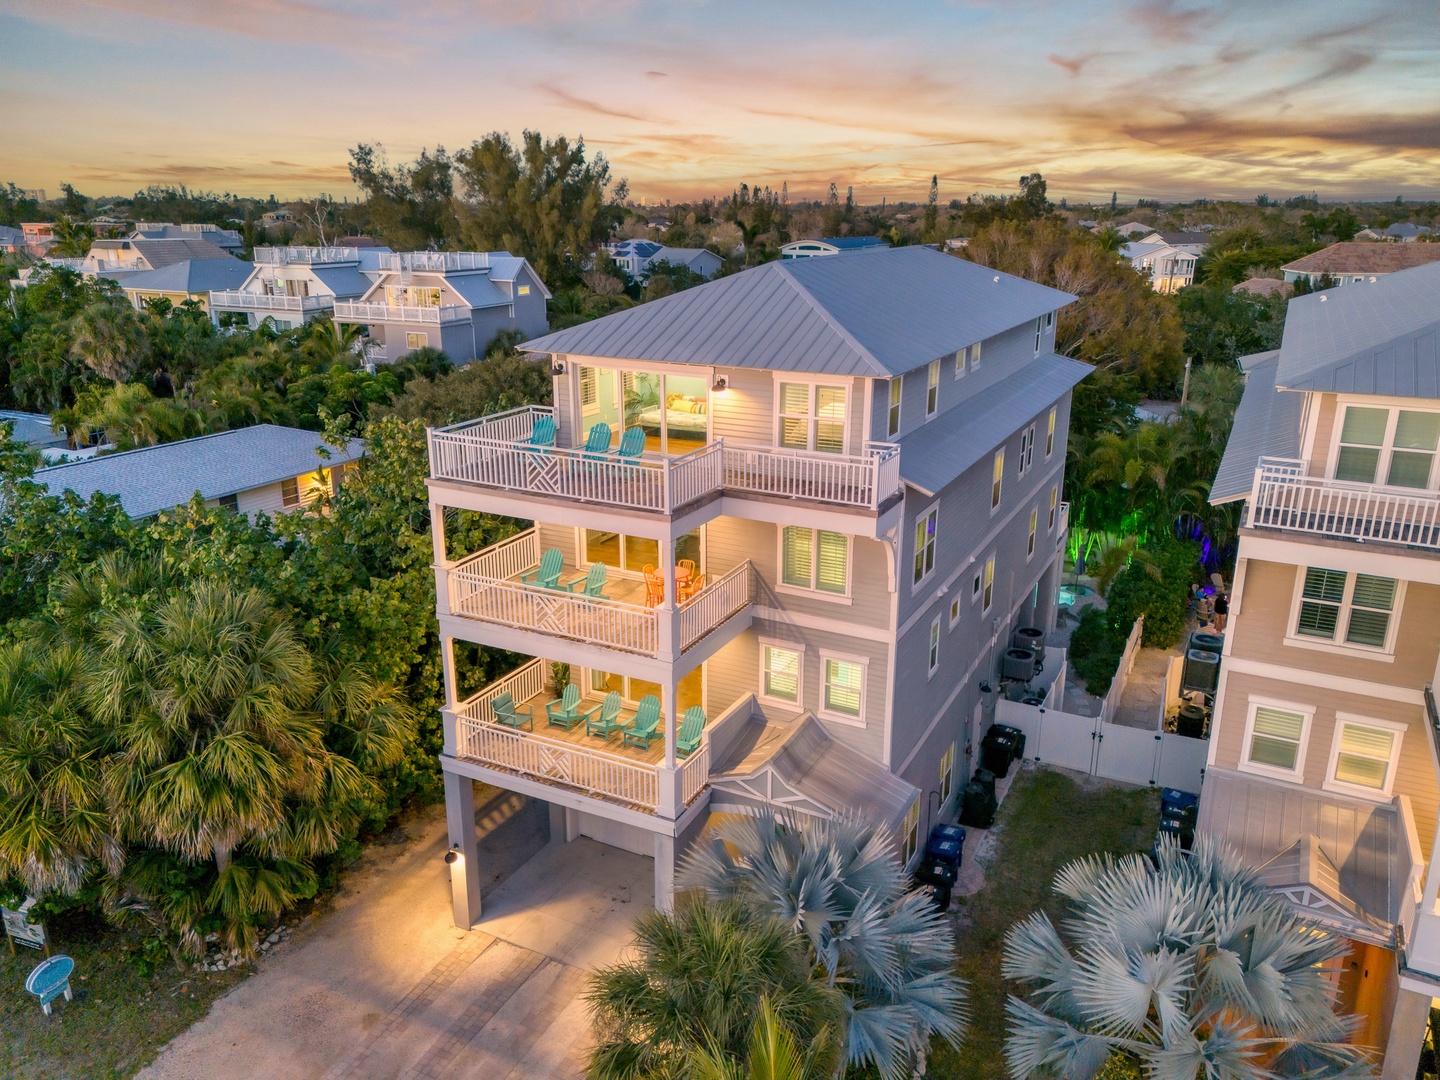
291, 285
1323, 752
782, 526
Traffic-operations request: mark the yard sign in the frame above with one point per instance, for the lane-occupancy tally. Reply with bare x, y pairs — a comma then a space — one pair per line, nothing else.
18, 927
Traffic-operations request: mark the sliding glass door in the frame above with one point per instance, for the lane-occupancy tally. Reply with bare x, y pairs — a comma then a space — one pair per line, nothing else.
672, 410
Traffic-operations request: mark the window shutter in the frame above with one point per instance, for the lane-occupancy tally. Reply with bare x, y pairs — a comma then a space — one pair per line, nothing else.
797, 557
1326, 585
833, 563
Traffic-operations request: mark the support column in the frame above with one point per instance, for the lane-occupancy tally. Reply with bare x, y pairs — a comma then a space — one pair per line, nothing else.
665, 873
672, 718
1406, 1038
557, 823
437, 536
464, 871
451, 696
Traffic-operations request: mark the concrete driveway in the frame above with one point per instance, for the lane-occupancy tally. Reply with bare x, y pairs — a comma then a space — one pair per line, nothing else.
382, 986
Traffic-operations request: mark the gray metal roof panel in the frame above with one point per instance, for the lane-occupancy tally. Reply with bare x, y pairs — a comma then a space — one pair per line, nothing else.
877, 313
1375, 337
1267, 424
478, 290
954, 441
158, 478
343, 281
195, 276
164, 252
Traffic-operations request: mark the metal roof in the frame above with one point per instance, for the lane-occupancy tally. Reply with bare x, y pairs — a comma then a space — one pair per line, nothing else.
32, 428
1262, 818
1305, 876
935, 454
1374, 337
1267, 424
877, 313
157, 478
344, 281
193, 276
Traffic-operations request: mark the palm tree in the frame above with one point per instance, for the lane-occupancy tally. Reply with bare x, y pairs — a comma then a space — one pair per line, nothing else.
1187, 968
773, 1054
72, 238
839, 885
690, 989
109, 336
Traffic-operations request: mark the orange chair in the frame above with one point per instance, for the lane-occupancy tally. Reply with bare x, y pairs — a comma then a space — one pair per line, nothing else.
694, 588
654, 587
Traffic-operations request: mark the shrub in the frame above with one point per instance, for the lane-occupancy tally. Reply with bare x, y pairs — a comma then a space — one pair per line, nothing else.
1160, 592
1094, 652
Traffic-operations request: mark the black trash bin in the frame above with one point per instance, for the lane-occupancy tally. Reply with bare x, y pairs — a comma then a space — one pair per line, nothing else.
1000, 746
938, 895
1179, 811
978, 804
932, 871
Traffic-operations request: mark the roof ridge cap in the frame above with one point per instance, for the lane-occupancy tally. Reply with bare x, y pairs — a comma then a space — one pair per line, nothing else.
880, 370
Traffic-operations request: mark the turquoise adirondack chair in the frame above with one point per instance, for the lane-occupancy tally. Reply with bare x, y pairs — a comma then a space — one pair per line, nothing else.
609, 719
566, 712
597, 443
547, 574
645, 725
592, 584
691, 727
632, 444
512, 715
542, 435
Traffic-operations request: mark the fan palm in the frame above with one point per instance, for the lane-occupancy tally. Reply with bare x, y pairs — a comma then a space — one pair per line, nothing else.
109, 336
690, 989
839, 884
1188, 967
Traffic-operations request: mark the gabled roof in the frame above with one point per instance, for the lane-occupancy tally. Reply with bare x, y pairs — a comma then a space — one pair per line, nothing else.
1364, 257
159, 478
1175, 238
193, 276
32, 428
1406, 228
684, 256
936, 453
160, 253
478, 290
1307, 877
876, 314
1380, 337
344, 281
1267, 424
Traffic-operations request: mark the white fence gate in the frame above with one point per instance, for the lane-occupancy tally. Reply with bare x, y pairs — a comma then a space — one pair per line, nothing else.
1092, 745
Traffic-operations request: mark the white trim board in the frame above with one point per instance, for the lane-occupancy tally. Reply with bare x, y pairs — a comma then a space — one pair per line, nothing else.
1324, 681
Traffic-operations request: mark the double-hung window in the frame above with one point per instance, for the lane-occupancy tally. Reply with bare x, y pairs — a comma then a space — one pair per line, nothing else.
933, 662
1349, 609
815, 559
780, 673
975, 357
1030, 543
1027, 451
997, 478
961, 357
290, 491
812, 417
892, 417
910, 833
1054, 505
988, 590
1050, 433
1364, 756
932, 389
1396, 447
1275, 737
843, 695
925, 528
947, 774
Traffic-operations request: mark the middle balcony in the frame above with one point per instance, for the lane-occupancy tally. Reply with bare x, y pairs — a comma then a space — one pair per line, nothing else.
532, 597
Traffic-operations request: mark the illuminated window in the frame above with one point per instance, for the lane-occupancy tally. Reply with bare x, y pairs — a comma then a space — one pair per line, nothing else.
1050, 434
1361, 604
1364, 756
290, 491
925, 528
989, 588
997, 478
934, 657
1275, 739
815, 559
932, 389
417, 341
910, 833
892, 426
780, 673
947, 774
1054, 505
843, 694
1030, 543
812, 417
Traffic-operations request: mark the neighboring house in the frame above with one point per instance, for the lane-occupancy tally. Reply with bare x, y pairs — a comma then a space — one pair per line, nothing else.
636, 257
276, 217
1323, 768
108, 256
456, 301
1262, 286
850, 482
191, 279
1168, 268
291, 285
1193, 242
228, 239
11, 239
829, 245
39, 237
248, 470
1128, 229
1351, 262
1407, 232
35, 429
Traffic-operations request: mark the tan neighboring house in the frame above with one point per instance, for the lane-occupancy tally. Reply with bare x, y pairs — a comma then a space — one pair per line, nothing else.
132, 253
1323, 765
1354, 261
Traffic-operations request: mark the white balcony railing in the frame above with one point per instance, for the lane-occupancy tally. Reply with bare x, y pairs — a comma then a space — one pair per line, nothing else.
298, 255
695, 772
239, 300
487, 451
353, 311
715, 604
1285, 497
436, 261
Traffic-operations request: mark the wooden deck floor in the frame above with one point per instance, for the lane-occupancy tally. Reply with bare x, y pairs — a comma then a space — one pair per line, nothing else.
627, 590
576, 735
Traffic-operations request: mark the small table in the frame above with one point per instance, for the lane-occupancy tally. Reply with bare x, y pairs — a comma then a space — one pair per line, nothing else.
50, 979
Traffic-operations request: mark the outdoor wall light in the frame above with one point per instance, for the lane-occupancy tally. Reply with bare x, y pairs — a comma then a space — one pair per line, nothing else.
453, 855
557, 369
719, 386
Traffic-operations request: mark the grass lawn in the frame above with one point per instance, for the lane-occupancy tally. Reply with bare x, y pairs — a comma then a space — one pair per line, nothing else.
119, 1018
1048, 819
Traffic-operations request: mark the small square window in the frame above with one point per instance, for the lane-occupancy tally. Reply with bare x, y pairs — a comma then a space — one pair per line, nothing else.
417, 340
523, 290
780, 673
230, 502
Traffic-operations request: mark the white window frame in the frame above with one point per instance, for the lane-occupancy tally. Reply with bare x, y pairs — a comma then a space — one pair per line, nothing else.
956, 608
411, 335
932, 389
933, 510
779, 702
894, 409
1039, 332
813, 381
932, 652
783, 586
1034, 527
947, 774
1384, 653
1027, 451
1360, 791
1054, 508
987, 588
975, 356
1296, 775
1386, 447
863, 663
1050, 433
910, 833
997, 480
962, 356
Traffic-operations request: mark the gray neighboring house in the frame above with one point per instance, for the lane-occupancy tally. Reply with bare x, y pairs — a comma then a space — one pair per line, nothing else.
636, 257
142, 253
228, 239
249, 470
456, 301
291, 285
830, 245
191, 279
848, 498
11, 239
35, 429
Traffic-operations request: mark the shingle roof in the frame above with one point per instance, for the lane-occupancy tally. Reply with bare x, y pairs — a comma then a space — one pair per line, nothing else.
160, 253
32, 428
1364, 257
158, 478
878, 314
935, 454
1183, 237
1380, 337
193, 276
1261, 286
1267, 424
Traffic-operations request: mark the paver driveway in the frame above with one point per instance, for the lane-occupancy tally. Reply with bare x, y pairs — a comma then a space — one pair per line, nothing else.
382, 986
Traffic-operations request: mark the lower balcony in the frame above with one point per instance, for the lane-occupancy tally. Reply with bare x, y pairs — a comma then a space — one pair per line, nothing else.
355, 312
239, 300
601, 767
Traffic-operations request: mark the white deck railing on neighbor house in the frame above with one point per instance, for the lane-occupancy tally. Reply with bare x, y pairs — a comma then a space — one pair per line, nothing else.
435, 261
488, 451
1285, 497
354, 311
300, 255
239, 300
713, 605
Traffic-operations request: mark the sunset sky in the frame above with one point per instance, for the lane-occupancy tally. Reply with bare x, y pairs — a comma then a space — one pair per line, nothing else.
689, 97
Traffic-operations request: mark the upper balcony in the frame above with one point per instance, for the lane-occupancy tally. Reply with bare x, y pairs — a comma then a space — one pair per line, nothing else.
240, 300
494, 451
299, 255
356, 312
1286, 497
435, 261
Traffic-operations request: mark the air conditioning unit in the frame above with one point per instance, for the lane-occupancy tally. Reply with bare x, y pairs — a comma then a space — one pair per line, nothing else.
1027, 637
1018, 665
1202, 671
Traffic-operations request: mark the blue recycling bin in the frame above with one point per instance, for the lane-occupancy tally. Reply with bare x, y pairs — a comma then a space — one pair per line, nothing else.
946, 844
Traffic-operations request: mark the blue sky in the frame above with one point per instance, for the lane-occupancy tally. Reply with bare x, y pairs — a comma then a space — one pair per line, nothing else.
1150, 97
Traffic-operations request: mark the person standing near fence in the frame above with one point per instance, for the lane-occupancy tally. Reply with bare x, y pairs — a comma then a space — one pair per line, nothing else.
1222, 611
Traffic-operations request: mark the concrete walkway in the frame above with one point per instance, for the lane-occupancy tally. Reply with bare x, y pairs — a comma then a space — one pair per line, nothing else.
383, 986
